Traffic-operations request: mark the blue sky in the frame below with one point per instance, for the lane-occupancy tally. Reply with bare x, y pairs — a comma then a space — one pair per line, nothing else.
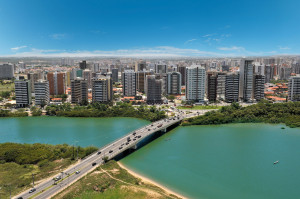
149, 28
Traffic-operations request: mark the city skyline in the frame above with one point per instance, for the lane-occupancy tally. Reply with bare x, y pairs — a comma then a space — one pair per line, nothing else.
148, 28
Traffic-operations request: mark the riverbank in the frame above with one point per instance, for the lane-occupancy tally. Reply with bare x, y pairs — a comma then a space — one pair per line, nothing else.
18, 162
110, 180
287, 113
147, 180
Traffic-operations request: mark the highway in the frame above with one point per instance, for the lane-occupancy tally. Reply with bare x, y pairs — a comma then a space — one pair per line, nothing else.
69, 176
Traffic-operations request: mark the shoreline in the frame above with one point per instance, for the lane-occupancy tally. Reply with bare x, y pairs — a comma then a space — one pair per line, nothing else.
147, 180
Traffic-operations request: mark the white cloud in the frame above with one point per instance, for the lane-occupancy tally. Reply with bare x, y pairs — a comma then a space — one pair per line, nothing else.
18, 48
58, 36
158, 52
232, 48
208, 35
284, 48
189, 41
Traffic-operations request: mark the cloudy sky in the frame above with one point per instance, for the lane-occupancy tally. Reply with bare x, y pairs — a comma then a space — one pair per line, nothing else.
149, 28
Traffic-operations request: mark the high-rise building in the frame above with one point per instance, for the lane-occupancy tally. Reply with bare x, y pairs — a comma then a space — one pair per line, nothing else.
115, 74
285, 73
79, 91
195, 83
259, 87
141, 80
163, 78
6, 71
221, 81
212, 86
232, 87
182, 70
83, 65
56, 83
42, 93
153, 90
269, 73
160, 68
296, 68
33, 77
87, 75
129, 83
102, 90
140, 66
174, 83
246, 91
294, 88
23, 93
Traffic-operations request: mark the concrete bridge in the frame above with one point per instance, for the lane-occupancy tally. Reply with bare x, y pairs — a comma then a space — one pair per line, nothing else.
49, 187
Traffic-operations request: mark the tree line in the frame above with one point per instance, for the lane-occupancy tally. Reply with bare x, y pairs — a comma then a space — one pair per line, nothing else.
264, 111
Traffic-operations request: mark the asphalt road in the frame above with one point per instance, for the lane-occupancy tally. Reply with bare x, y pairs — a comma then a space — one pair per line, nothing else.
69, 176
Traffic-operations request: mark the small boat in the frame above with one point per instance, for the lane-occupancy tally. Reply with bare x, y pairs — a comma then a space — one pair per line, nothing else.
276, 162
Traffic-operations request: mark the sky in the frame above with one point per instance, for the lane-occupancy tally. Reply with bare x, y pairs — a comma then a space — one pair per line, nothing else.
133, 28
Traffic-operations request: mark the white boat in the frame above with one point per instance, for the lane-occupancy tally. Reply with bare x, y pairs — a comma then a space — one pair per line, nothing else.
276, 162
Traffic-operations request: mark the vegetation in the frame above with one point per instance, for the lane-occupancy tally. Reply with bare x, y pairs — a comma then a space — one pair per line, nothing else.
111, 181
199, 107
264, 111
19, 161
35, 111
5, 94
6, 86
7, 113
273, 81
103, 110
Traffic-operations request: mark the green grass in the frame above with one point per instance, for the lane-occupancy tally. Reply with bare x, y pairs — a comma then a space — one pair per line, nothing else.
98, 184
7, 87
19, 177
199, 107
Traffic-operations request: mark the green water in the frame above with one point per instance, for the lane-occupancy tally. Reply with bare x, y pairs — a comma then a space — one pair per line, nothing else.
58, 130
224, 162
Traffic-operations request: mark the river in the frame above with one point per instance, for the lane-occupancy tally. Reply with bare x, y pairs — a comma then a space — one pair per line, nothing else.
211, 162
224, 162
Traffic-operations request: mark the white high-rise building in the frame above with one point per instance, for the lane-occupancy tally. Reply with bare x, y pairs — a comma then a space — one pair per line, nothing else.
174, 83
23, 93
6, 71
195, 83
42, 93
102, 90
129, 83
294, 88
246, 90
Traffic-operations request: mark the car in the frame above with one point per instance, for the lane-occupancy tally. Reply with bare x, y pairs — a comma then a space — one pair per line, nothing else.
94, 163
149, 129
99, 152
134, 139
127, 143
110, 151
120, 148
32, 190
139, 136
20, 197
77, 172
134, 133
122, 144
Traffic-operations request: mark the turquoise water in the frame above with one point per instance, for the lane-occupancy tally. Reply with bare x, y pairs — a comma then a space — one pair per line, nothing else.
58, 130
228, 161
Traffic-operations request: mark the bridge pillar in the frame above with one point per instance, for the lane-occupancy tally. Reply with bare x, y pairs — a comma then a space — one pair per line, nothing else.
164, 130
134, 147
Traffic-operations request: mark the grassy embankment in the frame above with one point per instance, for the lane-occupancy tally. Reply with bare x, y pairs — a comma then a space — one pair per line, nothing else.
19, 161
200, 107
7, 87
287, 113
111, 181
